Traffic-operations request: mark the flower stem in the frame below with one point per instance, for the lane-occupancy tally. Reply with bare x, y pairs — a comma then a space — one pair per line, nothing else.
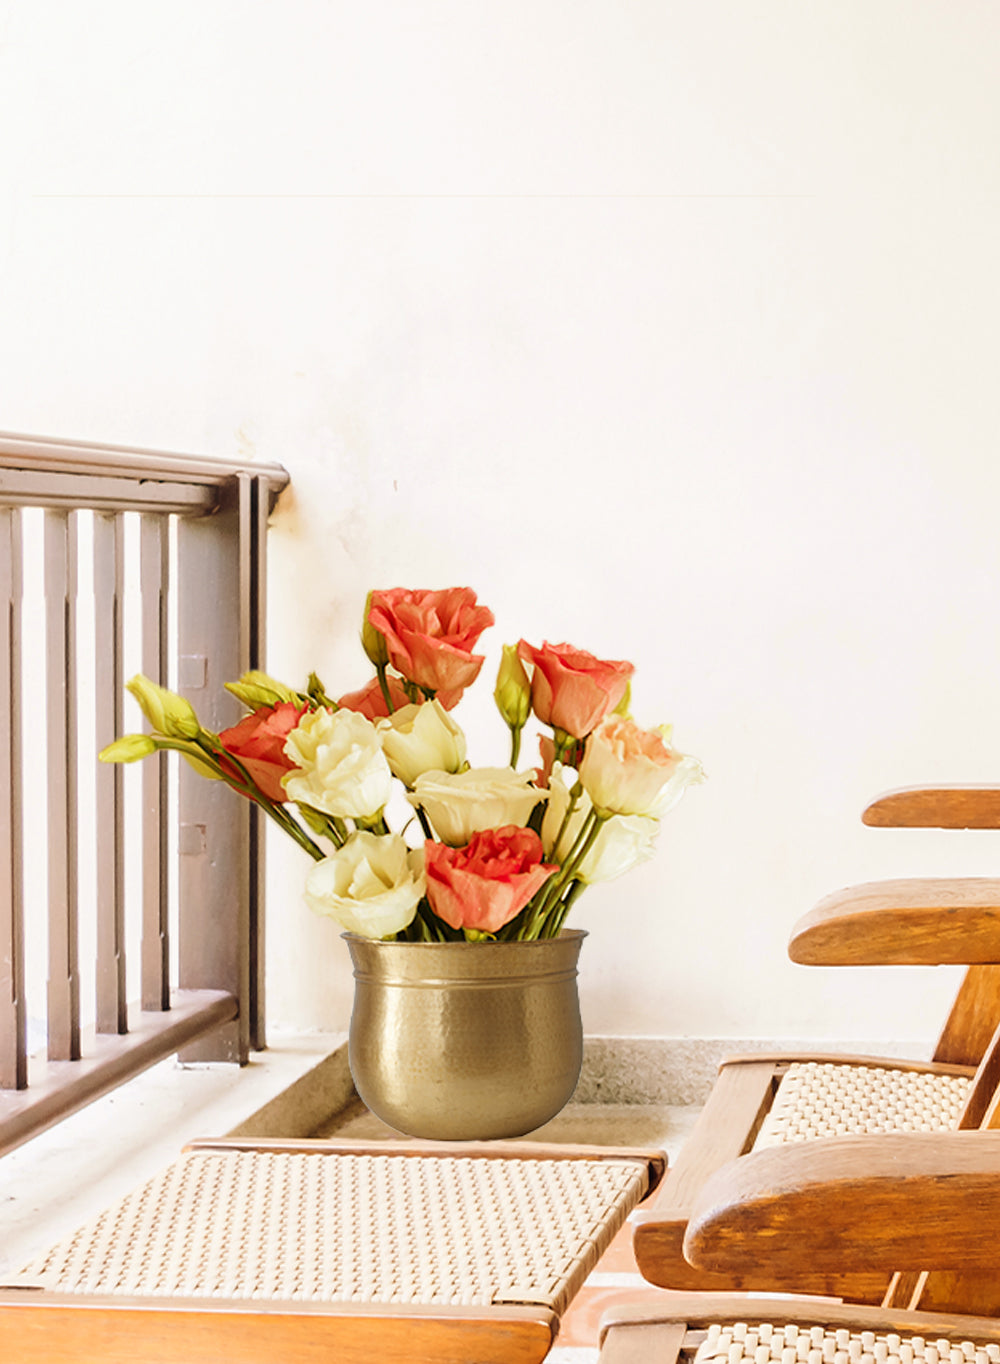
515, 744
550, 894
574, 796
384, 687
209, 751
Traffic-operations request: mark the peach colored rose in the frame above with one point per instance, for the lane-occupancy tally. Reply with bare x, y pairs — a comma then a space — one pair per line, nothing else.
258, 741
631, 771
430, 636
488, 882
572, 690
370, 702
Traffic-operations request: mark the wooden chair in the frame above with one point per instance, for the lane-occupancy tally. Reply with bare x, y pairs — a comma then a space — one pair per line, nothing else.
920, 1209
253, 1252
760, 1101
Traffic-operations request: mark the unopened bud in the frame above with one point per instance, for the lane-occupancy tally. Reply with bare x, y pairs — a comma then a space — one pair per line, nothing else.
256, 689
128, 749
167, 712
372, 640
513, 690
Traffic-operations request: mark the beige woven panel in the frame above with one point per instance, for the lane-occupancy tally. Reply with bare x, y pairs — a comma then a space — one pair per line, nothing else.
827, 1099
314, 1226
762, 1343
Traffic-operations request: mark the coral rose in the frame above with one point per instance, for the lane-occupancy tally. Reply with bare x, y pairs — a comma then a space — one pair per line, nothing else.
258, 741
631, 771
488, 882
430, 636
572, 690
370, 702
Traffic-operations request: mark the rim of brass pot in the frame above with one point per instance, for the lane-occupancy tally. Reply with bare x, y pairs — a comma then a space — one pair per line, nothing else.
407, 954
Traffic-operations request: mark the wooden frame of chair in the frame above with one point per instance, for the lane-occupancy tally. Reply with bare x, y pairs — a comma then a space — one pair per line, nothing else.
919, 1209
915, 922
42, 1324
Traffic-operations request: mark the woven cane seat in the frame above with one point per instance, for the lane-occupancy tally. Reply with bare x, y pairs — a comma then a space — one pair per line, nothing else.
832, 1099
311, 1226
763, 1342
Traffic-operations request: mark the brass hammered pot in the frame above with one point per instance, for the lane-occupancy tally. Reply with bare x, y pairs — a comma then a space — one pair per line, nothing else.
466, 1041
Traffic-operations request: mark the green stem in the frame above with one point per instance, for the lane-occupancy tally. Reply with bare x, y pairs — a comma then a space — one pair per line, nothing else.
515, 744
209, 750
574, 798
553, 888
384, 687
557, 916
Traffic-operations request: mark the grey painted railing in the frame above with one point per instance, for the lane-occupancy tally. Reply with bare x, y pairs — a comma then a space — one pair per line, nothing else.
176, 544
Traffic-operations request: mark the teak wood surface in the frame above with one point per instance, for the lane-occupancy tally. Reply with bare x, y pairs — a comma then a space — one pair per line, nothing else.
916, 921
668, 1333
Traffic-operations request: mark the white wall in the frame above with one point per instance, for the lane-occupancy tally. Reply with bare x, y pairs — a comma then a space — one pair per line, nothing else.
669, 327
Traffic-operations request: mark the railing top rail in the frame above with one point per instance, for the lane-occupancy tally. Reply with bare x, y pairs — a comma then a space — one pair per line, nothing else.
50, 454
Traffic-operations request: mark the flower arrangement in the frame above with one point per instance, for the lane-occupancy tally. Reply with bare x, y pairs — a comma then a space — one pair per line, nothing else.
486, 853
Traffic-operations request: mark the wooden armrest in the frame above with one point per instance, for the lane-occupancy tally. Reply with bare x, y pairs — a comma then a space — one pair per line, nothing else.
936, 807
901, 1201
908, 922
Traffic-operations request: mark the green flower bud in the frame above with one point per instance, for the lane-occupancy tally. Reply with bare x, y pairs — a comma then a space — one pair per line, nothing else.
317, 692
513, 690
372, 640
167, 712
128, 749
623, 705
256, 689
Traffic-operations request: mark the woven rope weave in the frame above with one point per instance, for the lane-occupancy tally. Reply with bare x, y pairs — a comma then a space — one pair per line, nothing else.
763, 1343
831, 1099
333, 1227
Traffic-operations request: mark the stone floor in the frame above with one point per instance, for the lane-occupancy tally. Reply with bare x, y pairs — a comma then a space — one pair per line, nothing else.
616, 1280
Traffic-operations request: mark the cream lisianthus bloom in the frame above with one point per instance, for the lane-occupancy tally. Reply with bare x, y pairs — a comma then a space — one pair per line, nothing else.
339, 765
626, 770
622, 842
461, 804
418, 739
372, 885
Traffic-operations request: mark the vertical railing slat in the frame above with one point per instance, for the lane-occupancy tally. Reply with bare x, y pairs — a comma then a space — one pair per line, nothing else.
257, 656
154, 569
214, 838
60, 636
109, 556
13, 1038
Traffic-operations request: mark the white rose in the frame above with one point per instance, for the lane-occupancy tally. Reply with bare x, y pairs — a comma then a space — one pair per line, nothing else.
372, 885
623, 842
419, 739
340, 766
460, 804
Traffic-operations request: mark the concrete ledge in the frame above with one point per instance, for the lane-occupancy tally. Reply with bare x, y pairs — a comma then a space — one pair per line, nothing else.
59, 1179
681, 1070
